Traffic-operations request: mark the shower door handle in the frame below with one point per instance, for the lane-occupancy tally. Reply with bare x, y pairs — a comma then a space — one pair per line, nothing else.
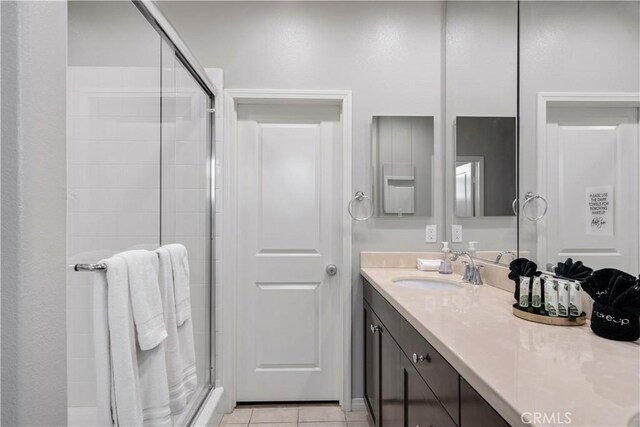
331, 269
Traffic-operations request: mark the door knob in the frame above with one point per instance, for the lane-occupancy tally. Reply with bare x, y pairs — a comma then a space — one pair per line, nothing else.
332, 269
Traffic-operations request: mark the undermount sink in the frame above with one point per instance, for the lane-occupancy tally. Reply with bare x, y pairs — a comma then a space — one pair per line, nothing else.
427, 284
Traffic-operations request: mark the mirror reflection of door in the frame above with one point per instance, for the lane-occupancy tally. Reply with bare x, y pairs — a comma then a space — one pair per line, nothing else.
485, 153
590, 180
469, 186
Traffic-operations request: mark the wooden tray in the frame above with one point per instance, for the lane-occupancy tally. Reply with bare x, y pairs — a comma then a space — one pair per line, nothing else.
548, 320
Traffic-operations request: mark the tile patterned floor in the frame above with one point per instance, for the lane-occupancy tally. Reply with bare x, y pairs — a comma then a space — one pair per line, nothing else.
295, 416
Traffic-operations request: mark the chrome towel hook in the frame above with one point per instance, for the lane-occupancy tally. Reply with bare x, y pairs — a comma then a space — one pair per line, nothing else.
528, 197
360, 197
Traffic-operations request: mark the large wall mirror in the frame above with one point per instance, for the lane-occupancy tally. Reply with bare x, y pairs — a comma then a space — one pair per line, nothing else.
481, 62
579, 161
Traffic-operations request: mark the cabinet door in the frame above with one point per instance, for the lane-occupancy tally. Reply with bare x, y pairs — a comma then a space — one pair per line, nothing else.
372, 328
392, 383
434, 369
475, 411
422, 409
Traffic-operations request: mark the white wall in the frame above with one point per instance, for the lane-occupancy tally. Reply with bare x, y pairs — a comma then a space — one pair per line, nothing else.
387, 53
33, 213
568, 47
111, 33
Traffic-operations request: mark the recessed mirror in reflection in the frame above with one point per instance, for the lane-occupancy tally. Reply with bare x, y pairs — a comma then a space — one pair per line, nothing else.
403, 165
485, 166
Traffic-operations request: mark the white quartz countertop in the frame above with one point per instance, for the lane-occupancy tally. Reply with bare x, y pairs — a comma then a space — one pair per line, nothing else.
520, 367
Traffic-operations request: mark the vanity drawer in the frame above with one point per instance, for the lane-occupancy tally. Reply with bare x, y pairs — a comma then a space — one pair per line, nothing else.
434, 369
388, 315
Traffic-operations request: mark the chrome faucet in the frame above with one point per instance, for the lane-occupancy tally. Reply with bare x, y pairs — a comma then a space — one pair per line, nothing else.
504, 253
471, 270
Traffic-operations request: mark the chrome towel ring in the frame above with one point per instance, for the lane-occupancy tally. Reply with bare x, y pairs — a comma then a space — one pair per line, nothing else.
360, 197
528, 198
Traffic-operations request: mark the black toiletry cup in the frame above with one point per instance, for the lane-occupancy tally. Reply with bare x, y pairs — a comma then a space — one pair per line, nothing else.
614, 324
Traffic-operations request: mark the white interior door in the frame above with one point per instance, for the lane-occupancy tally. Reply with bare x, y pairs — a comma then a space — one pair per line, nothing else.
464, 189
592, 186
289, 181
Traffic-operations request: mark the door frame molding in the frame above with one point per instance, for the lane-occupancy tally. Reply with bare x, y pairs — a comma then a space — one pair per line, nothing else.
584, 99
227, 309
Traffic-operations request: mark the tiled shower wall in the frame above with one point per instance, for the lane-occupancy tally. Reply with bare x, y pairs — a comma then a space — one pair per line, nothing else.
126, 190
113, 186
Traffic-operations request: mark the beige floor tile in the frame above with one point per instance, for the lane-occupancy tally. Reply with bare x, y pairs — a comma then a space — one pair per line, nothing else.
321, 424
235, 425
356, 416
274, 425
320, 413
238, 416
359, 424
270, 405
274, 415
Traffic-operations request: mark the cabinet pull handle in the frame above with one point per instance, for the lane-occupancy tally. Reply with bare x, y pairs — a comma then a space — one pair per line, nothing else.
420, 358
374, 329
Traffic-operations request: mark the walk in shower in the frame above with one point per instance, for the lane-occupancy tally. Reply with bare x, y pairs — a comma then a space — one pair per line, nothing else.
139, 171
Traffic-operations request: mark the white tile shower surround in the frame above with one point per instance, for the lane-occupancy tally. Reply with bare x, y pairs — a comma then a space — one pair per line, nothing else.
114, 194
324, 415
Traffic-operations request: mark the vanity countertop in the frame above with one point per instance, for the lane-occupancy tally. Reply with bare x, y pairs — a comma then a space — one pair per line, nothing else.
518, 366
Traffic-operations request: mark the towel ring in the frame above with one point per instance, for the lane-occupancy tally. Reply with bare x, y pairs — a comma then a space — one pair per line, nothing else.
360, 197
528, 198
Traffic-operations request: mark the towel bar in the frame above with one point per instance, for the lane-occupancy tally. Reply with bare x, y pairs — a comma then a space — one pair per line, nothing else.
89, 267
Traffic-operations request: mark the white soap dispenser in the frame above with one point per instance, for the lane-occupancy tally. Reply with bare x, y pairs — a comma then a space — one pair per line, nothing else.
445, 264
472, 248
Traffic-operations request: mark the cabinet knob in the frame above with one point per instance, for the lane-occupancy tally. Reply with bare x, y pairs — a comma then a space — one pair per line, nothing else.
374, 329
420, 358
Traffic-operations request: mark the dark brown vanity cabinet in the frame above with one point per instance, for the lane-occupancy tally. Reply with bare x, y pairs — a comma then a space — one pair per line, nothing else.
422, 407
475, 411
372, 366
384, 392
407, 382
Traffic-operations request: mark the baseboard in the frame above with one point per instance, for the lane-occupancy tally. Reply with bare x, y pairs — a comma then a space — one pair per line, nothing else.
211, 412
357, 404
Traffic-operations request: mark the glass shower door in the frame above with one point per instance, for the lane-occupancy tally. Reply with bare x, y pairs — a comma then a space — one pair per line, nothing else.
186, 197
139, 158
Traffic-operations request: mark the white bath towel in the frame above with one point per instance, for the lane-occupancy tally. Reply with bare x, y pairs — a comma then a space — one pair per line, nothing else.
102, 350
179, 347
126, 399
180, 267
145, 297
148, 314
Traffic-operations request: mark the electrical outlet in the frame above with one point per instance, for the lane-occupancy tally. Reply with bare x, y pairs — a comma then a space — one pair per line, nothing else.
456, 233
431, 233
